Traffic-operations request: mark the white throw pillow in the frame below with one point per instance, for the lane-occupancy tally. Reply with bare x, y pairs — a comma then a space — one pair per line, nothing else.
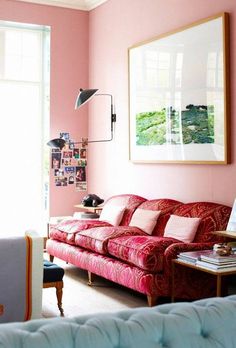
145, 219
112, 214
181, 228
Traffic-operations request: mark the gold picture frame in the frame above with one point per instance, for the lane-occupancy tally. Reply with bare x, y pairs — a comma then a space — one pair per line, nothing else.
179, 95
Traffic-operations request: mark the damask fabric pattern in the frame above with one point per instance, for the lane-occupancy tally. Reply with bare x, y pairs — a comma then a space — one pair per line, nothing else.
66, 230
64, 237
214, 217
130, 202
110, 268
136, 260
202, 284
166, 206
96, 239
145, 252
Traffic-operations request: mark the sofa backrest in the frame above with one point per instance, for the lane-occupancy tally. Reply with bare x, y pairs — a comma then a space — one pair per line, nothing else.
166, 206
129, 201
214, 217
178, 325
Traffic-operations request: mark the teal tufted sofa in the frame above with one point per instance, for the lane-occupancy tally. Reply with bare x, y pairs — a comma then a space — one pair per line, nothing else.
209, 323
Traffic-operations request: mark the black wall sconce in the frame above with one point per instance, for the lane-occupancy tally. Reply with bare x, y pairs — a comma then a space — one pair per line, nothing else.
83, 97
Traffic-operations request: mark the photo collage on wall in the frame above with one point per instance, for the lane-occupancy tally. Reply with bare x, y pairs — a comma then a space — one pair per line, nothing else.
69, 164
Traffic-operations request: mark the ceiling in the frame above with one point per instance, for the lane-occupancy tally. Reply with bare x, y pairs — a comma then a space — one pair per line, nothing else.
85, 5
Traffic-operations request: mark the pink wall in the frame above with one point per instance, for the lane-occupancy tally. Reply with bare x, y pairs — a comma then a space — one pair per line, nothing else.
105, 35
69, 72
113, 28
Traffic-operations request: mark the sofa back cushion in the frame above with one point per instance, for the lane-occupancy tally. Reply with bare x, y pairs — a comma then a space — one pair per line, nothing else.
145, 219
129, 201
112, 214
182, 228
166, 207
214, 217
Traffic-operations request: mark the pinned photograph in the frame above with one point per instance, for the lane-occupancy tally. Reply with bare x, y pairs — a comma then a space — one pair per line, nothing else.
61, 181
83, 153
71, 179
66, 162
82, 163
76, 153
65, 136
81, 186
56, 160
67, 154
80, 174
58, 172
69, 170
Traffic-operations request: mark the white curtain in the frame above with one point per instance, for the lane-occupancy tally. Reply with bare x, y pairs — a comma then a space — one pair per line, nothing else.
24, 119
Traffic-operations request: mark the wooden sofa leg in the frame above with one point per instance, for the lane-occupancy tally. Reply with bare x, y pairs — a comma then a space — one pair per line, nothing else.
51, 258
90, 278
152, 300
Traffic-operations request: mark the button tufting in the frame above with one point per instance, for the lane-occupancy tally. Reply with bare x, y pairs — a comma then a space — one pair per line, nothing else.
204, 334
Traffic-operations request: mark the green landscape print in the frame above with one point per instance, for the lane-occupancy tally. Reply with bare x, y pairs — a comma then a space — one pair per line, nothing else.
195, 125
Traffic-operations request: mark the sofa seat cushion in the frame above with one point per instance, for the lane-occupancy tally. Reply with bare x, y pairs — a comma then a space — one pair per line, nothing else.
96, 239
64, 237
145, 252
65, 231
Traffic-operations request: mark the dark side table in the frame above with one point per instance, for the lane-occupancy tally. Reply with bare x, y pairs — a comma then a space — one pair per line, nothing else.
218, 273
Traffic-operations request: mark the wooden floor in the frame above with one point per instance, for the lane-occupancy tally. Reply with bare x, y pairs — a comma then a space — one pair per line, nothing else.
104, 296
80, 298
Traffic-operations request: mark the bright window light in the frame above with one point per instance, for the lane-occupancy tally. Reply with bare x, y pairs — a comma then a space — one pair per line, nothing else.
24, 118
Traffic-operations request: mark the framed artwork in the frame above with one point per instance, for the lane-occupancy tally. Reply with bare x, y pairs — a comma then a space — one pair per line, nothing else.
232, 219
179, 95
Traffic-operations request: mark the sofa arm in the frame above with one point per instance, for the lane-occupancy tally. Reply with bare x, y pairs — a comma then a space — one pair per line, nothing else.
174, 249
21, 274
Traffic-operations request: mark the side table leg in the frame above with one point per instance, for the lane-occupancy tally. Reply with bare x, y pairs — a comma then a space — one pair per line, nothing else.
218, 285
173, 283
1, 309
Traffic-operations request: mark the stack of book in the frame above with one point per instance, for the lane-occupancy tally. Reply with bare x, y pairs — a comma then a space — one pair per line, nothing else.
192, 256
215, 261
208, 259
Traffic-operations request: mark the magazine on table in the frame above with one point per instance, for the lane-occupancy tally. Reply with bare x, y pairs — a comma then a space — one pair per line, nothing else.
192, 256
217, 259
213, 266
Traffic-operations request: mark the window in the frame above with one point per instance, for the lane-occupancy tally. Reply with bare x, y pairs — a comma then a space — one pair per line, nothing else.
24, 118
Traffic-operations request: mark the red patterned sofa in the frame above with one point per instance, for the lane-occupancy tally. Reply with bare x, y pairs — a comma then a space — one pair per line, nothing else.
126, 255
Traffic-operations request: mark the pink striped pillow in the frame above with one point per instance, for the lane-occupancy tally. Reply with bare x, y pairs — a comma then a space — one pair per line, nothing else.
181, 228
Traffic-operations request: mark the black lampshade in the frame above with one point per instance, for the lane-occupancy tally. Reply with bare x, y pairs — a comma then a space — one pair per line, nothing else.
57, 143
84, 96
